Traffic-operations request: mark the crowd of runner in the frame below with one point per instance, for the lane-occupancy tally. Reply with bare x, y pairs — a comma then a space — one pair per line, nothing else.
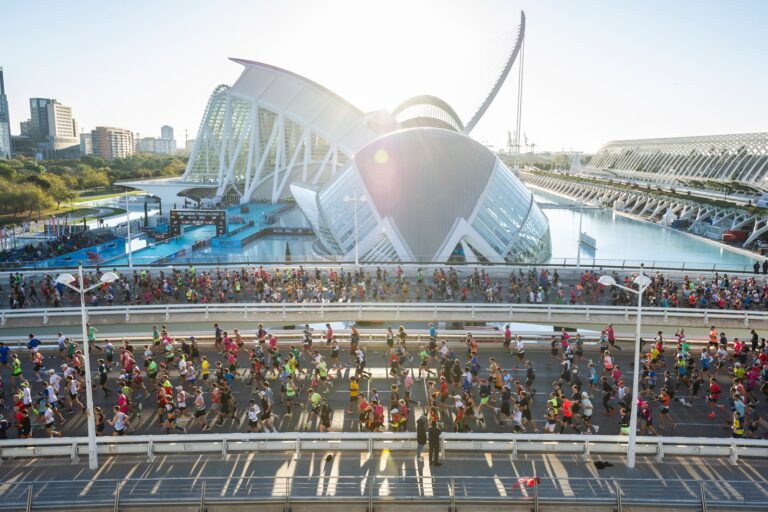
300, 285
187, 391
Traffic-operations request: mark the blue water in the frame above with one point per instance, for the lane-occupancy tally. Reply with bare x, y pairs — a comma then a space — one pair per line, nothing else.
103, 251
152, 253
264, 250
257, 213
631, 242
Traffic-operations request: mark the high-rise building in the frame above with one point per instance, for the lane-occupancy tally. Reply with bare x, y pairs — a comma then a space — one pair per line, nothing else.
38, 110
166, 132
60, 121
59, 139
86, 144
147, 145
26, 128
110, 143
165, 146
5, 122
189, 145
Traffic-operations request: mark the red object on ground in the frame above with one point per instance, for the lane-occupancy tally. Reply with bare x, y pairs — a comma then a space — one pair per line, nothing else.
733, 236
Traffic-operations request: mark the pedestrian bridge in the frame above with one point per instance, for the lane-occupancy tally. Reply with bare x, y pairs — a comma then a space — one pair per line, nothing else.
585, 316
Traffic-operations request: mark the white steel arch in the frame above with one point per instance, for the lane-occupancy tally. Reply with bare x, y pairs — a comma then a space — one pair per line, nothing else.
729, 157
270, 128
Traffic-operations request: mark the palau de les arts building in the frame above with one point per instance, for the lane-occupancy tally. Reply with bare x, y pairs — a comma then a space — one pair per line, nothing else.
429, 190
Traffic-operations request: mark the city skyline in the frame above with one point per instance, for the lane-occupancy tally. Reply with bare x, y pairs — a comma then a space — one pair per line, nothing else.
593, 72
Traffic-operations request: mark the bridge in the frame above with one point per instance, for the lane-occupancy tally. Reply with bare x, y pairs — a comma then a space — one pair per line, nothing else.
586, 316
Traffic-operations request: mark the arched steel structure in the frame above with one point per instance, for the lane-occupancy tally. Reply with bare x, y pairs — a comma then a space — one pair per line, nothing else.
496, 86
423, 110
273, 127
736, 157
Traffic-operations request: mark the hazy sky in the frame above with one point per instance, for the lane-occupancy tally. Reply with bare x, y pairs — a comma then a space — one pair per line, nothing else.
594, 70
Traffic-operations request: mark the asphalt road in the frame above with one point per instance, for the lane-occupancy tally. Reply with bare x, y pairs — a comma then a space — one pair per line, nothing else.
691, 421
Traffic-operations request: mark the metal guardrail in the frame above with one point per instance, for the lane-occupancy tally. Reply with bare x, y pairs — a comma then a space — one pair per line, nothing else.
561, 264
413, 310
151, 446
408, 492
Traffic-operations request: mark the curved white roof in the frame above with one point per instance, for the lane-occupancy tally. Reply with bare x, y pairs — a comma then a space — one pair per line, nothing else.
306, 102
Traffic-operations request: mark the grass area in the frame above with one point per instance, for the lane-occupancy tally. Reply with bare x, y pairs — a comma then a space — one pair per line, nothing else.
78, 213
81, 212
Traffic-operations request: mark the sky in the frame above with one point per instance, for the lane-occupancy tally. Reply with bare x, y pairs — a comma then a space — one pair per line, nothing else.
595, 70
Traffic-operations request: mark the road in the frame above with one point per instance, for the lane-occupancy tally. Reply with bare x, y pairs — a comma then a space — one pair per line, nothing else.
691, 421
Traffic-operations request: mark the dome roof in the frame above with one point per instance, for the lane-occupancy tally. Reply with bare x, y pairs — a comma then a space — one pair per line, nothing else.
424, 179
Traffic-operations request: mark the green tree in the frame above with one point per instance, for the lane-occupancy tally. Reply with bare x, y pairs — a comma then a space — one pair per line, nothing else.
92, 178
26, 197
58, 189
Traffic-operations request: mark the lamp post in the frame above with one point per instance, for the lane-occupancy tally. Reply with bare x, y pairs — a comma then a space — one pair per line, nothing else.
642, 281
355, 199
578, 240
128, 240
67, 280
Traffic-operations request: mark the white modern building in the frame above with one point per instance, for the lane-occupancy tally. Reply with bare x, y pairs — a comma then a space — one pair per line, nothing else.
740, 158
275, 135
426, 194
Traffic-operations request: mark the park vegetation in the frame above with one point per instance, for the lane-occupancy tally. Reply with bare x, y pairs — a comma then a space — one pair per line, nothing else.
28, 186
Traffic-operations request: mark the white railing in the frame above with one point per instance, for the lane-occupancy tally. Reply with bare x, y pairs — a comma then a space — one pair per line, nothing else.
406, 492
150, 446
563, 265
413, 311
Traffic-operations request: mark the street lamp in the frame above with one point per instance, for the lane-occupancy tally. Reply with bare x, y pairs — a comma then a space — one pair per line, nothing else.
355, 199
643, 282
128, 247
67, 280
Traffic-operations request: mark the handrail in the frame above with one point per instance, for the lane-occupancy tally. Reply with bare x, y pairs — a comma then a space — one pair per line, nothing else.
299, 442
293, 493
562, 264
428, 311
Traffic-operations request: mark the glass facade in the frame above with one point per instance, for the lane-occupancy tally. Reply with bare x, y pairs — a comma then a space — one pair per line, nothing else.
307, 198
340, 214
510, 221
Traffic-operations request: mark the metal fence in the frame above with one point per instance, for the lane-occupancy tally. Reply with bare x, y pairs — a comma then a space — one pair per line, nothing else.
404, 492
566, 265
151, 446
411, 311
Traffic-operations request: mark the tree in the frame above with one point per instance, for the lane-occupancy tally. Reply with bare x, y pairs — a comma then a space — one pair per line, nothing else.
58, 189
7, 171
92, 178
25, 197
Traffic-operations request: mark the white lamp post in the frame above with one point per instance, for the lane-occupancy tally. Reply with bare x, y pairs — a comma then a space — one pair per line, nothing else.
578, 241
355, 199
642, 281
67, 280
128, 224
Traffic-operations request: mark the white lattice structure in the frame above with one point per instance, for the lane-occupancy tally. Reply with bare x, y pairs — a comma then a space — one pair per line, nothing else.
740, 157
270, 128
